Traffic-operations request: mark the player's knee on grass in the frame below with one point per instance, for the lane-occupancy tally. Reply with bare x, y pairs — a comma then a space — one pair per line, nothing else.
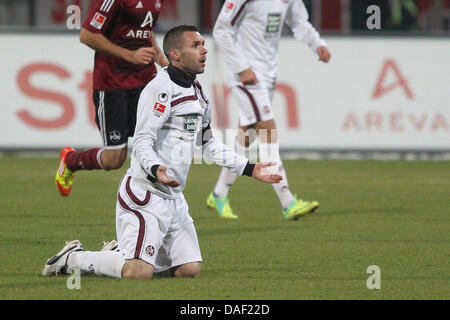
137, 269
113, 159
188, 270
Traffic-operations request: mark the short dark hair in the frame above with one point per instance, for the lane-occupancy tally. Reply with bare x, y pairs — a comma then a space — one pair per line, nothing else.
172, 38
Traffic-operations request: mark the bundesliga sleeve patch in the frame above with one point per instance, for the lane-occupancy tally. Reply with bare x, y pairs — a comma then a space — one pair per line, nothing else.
158, 109
98, 20
230, 5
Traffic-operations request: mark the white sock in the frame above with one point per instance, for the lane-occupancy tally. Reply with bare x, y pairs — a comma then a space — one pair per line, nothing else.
226, 180
269, 152
226, 177
101, 263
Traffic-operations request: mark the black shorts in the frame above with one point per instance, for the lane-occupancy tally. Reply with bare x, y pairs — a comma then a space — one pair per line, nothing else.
115, 115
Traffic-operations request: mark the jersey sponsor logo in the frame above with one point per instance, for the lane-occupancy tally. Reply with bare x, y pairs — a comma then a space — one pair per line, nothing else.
273, 23
148, 20
98, 20
229, 5
139, 34
158, 109
191, 123
106, 5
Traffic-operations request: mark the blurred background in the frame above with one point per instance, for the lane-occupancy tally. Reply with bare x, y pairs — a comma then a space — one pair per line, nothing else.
384, 94
342, 17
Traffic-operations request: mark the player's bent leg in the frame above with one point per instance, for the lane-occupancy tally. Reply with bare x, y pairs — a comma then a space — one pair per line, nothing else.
64, 176
188, 270
137, 269
113, 159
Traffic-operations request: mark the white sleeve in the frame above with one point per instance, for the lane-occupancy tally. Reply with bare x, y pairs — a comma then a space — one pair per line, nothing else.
153, 111
297, 20
222, 155
224, 33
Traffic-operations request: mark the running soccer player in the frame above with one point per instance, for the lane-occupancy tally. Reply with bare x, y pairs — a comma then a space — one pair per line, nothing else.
155, 231
248, 33
121, 33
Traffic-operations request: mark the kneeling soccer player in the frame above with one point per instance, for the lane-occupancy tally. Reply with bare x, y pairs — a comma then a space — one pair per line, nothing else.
155, 232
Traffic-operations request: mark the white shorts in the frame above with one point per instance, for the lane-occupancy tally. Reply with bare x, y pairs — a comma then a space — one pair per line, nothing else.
255, 103
157, 230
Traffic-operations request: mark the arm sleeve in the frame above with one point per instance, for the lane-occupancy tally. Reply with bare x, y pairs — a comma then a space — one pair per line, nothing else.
297, 20
101, 15
224, 33
222, 155
151, 116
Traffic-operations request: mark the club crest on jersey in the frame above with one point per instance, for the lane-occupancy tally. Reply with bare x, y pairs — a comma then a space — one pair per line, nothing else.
98, 20
150, 250
158, 109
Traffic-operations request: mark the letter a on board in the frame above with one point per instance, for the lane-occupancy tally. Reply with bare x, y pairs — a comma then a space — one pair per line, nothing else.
381, 88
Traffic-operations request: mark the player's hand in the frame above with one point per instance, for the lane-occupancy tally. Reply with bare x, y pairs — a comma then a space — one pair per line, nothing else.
248, 77
262, 174
143, 55
324, 54
161, 174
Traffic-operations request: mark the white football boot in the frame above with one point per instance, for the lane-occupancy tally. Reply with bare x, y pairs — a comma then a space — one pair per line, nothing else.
111, 245
57, 265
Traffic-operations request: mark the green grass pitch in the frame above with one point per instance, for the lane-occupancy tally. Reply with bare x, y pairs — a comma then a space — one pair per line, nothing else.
391, 214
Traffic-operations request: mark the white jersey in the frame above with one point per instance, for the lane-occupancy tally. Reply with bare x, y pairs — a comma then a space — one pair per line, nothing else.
169, 117
248, 33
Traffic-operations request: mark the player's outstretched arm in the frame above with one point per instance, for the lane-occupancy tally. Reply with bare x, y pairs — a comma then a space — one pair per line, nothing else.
161, 173
262, 175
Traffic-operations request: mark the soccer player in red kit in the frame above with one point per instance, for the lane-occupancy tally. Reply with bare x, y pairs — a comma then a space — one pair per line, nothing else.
121, 33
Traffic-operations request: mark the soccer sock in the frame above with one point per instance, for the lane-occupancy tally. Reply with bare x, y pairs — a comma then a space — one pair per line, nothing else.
226, 177
226, 180
269, 152
84, 160
101, 263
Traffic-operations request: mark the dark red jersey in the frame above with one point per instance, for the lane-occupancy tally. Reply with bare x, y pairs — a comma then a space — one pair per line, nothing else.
128, 24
